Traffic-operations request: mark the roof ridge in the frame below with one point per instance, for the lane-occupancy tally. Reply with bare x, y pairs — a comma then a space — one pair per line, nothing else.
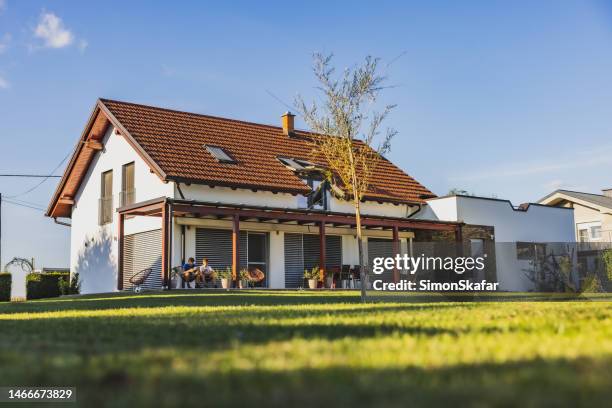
581, 192
246, 122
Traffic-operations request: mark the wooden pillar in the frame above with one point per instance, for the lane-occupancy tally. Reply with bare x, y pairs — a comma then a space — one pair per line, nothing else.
120, 239
165, 244
322, 248
170, 245
236, 249
396, 251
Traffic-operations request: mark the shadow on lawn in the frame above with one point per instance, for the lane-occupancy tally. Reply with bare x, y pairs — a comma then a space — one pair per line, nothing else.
156, 382
213, 330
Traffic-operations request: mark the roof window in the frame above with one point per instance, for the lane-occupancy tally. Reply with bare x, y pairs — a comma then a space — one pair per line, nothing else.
219, 154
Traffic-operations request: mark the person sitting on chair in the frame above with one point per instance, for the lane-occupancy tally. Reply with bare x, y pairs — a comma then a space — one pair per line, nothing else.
189, 271
206, 274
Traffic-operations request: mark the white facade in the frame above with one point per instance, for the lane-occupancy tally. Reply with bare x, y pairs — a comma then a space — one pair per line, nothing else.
536, 223
94, 248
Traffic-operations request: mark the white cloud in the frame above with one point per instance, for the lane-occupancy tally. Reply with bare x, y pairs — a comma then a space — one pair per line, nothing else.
4, 41
4, 84
52, 31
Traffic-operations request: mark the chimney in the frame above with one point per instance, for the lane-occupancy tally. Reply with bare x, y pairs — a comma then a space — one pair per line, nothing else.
287, 119
607, 192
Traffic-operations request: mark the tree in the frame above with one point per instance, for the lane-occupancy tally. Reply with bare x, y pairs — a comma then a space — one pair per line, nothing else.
346, 125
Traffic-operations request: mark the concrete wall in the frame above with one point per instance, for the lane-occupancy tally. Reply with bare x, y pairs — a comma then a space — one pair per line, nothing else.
537, 224
94, 248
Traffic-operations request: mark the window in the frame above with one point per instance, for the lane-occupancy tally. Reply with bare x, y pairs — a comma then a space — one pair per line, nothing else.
128, 192
105, 207
219, 154
530, 251
596, 232
583, 235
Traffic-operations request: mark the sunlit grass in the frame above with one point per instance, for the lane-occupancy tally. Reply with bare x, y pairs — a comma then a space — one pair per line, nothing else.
304, 349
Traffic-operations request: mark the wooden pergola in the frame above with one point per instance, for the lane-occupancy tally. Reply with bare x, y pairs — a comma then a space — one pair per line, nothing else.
168, 208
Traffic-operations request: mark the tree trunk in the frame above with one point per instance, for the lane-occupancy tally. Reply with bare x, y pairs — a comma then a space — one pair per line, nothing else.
362, 269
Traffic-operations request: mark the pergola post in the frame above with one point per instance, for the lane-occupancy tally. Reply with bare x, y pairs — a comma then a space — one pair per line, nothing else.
165, 245
396, 250
120, 239
322, 248
236, 249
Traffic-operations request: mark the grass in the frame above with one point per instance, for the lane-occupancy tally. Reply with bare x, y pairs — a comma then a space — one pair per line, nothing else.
300, 349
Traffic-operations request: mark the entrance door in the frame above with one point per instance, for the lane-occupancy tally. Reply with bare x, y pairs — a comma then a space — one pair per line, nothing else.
257, 249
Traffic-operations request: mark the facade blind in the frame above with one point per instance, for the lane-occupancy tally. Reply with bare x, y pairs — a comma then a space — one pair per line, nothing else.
142, 251
216, 246
294, 261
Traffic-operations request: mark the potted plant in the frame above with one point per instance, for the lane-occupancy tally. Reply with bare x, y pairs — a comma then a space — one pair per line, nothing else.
244, 278
225, 276
313, 276
329, 280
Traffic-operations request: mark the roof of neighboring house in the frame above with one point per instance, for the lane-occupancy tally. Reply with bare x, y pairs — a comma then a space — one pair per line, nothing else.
173, 144
557, 196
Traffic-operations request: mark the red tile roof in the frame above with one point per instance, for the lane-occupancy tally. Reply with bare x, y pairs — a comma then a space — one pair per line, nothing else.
175, 141
173, 144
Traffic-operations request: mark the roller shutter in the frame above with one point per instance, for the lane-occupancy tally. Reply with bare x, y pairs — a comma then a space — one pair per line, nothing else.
216, 246
142, 251
380, 247
302, 252
294, 261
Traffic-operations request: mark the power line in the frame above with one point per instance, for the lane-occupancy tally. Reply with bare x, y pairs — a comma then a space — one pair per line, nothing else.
30, 175
5, 200
43, 180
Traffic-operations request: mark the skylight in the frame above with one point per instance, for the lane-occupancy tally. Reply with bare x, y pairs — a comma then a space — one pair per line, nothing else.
295, 164
219, 154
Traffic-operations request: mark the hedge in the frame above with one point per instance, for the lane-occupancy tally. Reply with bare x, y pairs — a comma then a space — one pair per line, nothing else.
44, 285
5, 286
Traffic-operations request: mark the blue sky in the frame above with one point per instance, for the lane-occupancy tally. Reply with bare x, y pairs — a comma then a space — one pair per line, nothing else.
510, 99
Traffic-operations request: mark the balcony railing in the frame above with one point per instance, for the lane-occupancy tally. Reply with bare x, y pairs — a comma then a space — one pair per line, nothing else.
105, 210
127, 197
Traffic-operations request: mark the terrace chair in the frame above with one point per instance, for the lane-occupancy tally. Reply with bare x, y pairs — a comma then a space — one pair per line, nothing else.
139, 279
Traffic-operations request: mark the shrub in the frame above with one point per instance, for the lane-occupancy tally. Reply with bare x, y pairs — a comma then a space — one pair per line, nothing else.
44, 285
5, 286
70, 288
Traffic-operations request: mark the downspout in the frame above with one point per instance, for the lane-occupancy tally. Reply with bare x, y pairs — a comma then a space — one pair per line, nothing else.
61, 222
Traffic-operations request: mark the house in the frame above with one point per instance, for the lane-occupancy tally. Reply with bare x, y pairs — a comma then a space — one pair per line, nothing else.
148, 187
507, 232
593, 226
592, 213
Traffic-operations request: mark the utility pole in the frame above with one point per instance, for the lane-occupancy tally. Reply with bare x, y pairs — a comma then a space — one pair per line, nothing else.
0, 232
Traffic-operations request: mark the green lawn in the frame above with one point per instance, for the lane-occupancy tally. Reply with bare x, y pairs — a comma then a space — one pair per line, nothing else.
299, 349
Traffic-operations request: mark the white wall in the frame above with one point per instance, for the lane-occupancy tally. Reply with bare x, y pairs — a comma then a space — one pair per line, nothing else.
94, 248
282, 200
537, 224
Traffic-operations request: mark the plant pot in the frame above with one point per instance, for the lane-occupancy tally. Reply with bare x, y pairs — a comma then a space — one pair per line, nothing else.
225, 283
173, 283
329, 282
312, 283
243, 284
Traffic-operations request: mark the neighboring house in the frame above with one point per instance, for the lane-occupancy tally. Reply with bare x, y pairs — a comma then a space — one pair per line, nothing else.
515, 231
592, 213
148, 187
